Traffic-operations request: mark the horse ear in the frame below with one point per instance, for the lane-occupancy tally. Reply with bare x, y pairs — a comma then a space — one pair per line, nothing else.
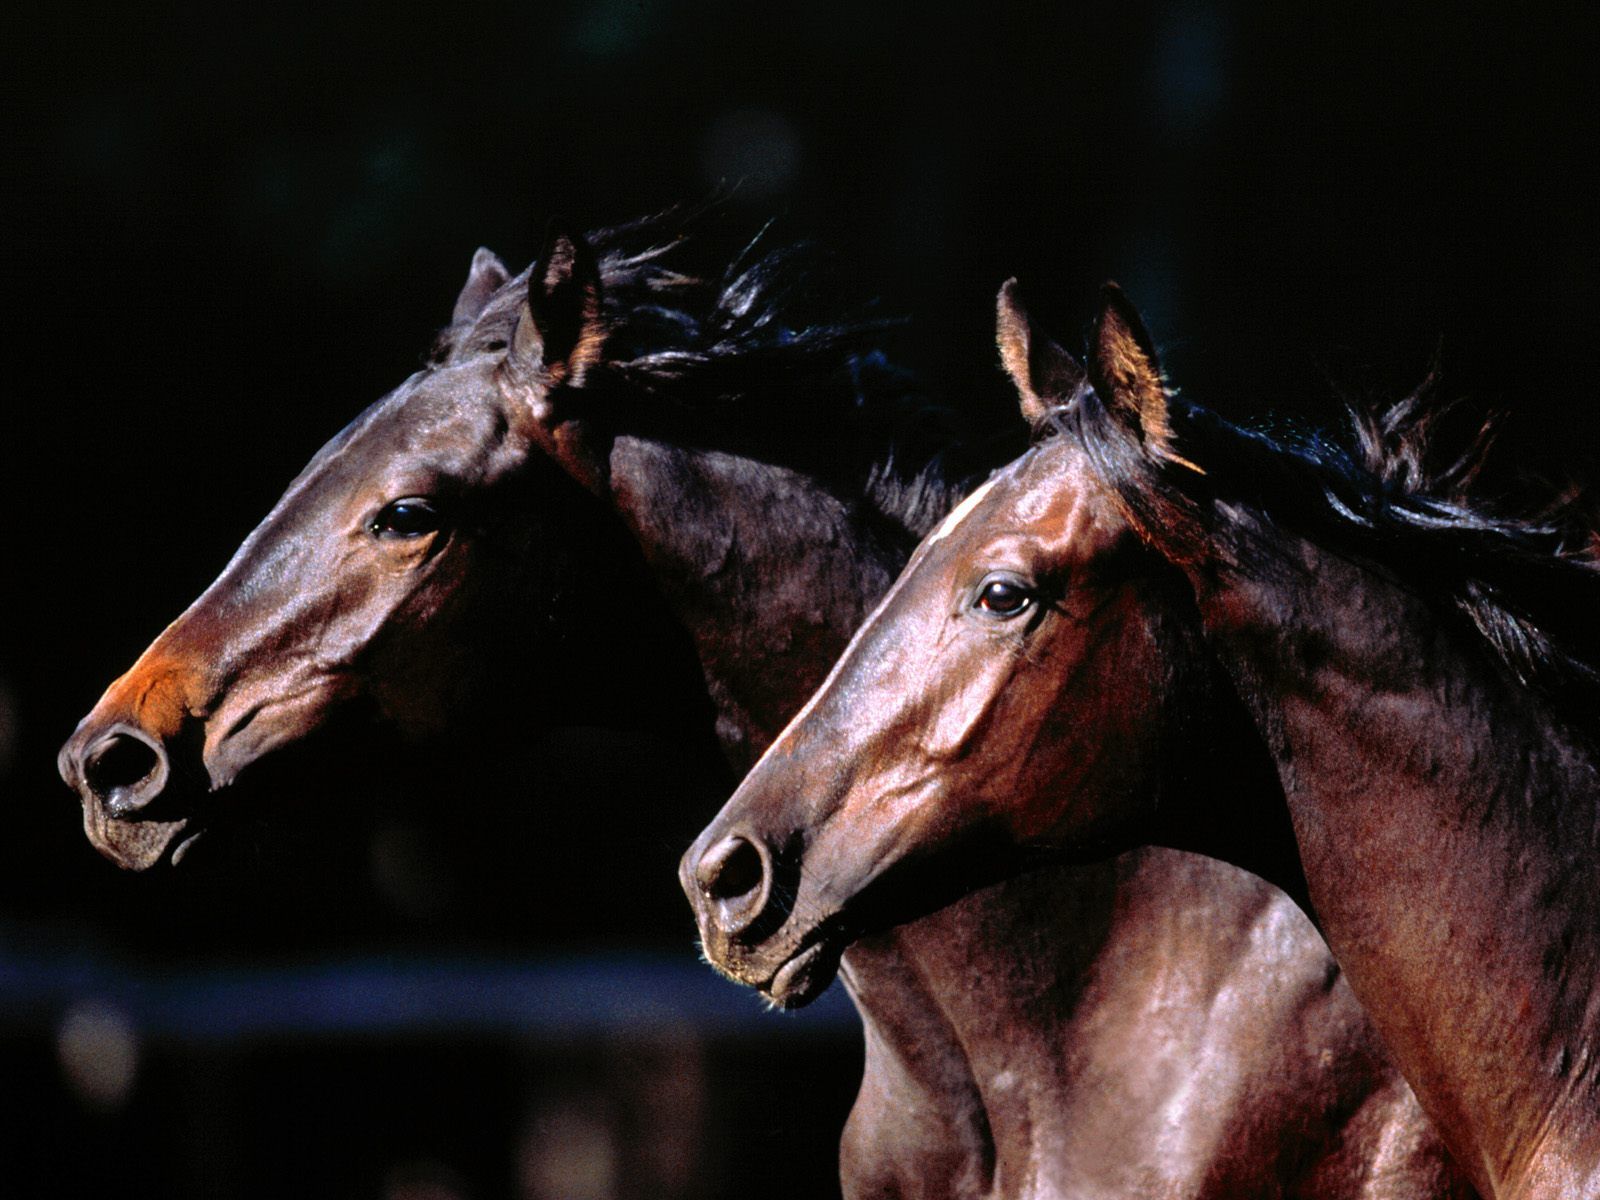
559, 332
1127, 375
1045, 375
484, 278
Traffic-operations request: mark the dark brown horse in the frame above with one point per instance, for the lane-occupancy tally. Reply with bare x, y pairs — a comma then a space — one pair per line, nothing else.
1423, 675
1096, 1029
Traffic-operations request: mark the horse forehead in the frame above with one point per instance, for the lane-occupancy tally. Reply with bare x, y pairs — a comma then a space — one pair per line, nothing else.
1060, 495
1052, 501
1039, 494
445, 413
410, 426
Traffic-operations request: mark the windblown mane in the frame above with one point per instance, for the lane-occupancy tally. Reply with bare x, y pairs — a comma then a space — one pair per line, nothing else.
1386, 491
738, 357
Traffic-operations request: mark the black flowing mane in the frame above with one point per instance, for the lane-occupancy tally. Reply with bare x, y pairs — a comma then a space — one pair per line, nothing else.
738, 357
1388, 492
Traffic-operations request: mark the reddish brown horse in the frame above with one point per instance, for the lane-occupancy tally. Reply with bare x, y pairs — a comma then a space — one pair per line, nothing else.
1104, 1029
1422, 673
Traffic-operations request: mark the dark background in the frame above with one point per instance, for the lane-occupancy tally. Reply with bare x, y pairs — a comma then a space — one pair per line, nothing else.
229, 228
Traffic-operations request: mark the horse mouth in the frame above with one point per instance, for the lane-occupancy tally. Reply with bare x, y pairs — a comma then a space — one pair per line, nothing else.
163, 833
141, 845
806, 974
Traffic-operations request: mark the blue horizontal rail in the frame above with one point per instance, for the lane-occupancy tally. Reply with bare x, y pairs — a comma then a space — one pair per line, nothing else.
557, 997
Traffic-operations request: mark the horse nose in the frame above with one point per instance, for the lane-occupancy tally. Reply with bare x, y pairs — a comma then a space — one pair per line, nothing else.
732, 878
124, 769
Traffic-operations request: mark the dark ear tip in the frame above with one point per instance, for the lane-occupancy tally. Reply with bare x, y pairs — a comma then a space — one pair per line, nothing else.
1118, 313
562, 241
1114, 301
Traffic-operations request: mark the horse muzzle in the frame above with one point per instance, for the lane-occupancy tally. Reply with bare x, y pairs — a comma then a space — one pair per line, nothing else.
745, 917
124, 777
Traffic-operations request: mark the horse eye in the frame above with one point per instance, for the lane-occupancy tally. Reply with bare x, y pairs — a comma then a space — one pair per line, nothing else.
408, 518
1004, 598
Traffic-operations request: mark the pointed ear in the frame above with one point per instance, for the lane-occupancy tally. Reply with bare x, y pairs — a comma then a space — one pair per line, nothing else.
1127, 375
1045, 375
559, 332
484, 278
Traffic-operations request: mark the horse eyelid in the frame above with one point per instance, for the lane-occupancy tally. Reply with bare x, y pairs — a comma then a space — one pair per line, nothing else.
1031, 597
379, 528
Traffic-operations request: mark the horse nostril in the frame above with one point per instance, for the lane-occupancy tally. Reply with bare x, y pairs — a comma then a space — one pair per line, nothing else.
730, 869
124, 770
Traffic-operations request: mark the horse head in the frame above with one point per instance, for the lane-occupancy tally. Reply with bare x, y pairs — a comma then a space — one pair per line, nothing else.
394, 572
1019, 691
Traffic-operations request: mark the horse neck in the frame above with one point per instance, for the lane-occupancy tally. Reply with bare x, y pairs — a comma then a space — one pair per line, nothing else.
769, 571
1448, 834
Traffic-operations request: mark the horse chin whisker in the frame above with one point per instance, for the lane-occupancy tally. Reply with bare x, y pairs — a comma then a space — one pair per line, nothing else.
181, 844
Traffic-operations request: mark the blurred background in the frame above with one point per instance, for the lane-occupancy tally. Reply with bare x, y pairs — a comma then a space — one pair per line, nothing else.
230, 227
